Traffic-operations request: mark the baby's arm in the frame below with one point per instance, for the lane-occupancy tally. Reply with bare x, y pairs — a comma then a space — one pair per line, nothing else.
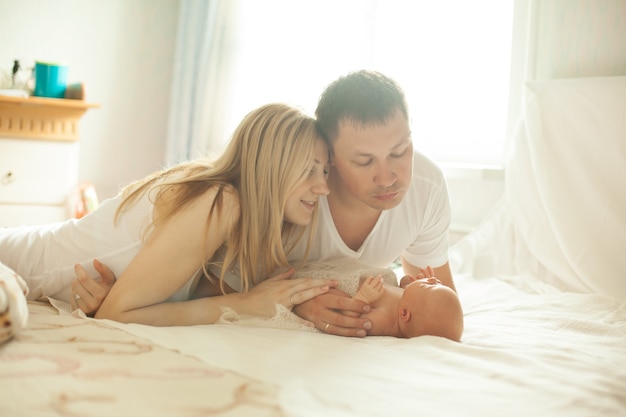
370, 290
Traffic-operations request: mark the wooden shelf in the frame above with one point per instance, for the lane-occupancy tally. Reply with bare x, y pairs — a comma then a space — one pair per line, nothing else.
41, 118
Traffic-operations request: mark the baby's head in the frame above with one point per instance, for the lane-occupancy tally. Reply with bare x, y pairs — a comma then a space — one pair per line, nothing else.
429, 308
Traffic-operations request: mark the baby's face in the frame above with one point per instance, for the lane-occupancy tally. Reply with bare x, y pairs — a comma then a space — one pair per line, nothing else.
434, 309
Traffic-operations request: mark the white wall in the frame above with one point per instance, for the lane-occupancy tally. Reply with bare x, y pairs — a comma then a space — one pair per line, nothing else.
122, 50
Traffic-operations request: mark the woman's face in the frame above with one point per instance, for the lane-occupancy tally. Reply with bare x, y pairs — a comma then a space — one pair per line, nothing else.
301, 204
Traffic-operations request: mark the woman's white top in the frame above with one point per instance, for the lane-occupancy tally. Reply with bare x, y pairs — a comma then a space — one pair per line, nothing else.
45, 255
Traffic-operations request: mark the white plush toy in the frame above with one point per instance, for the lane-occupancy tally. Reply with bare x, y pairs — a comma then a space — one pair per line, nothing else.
13, 306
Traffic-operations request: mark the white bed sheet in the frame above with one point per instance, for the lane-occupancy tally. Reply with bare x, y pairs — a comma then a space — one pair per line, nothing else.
522, 354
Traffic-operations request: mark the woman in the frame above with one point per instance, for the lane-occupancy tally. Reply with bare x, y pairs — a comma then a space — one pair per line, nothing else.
172, 238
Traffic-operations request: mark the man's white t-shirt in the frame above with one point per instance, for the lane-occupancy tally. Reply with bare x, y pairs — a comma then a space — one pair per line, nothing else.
416, 229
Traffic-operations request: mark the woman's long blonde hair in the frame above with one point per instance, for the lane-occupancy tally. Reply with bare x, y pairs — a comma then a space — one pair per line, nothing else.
268, 156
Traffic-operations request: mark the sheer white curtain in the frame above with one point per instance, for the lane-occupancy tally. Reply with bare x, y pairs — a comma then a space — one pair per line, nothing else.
201, 79
452, 58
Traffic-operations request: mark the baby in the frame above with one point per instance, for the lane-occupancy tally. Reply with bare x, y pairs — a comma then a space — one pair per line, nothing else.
423, 307
420, 306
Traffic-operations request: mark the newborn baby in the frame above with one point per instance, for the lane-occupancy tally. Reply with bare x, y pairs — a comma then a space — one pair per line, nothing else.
423, 307
420, 306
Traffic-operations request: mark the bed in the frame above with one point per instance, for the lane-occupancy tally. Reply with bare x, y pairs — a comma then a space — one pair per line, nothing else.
541, 281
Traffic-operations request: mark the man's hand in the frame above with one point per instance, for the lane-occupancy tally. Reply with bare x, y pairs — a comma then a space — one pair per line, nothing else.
325, 312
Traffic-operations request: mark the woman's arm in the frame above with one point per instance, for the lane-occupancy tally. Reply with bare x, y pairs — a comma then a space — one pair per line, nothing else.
170, 257
259, 301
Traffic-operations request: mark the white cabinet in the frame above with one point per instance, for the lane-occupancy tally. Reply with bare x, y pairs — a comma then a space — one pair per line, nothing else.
36, 178
38, 158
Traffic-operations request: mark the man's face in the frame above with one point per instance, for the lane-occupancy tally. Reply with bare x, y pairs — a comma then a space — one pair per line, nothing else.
374, 164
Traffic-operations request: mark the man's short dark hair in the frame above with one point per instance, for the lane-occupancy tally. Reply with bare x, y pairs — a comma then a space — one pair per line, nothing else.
363, 98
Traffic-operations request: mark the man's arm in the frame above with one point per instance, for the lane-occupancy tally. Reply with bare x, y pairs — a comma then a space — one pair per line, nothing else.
442, 273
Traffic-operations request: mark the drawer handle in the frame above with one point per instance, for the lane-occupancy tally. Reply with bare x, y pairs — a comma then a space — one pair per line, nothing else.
8, 178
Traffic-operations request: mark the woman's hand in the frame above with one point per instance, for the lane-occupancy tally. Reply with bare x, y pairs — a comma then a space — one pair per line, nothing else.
87, 292
281, 289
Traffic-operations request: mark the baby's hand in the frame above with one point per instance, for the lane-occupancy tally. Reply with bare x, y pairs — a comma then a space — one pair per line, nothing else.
371, 289
427, 272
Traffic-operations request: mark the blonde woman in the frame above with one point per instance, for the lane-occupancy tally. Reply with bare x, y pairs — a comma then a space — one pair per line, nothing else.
187, 241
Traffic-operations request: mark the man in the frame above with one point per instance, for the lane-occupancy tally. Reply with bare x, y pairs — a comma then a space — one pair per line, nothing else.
386, 201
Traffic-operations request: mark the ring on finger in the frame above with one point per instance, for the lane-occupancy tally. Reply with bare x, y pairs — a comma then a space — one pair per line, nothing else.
326, 327
76, 297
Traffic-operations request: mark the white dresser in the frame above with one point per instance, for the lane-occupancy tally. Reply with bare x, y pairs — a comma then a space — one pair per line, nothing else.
38, 158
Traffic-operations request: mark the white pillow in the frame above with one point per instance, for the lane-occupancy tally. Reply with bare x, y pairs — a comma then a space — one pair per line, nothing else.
13, 306
566, 182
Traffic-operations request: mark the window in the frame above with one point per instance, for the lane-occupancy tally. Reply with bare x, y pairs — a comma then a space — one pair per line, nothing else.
452, 58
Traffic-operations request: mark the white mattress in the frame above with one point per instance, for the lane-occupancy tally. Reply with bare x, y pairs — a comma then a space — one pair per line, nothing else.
522, 354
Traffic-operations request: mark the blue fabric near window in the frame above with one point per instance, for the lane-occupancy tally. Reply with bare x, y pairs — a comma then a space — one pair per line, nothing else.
198, 78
